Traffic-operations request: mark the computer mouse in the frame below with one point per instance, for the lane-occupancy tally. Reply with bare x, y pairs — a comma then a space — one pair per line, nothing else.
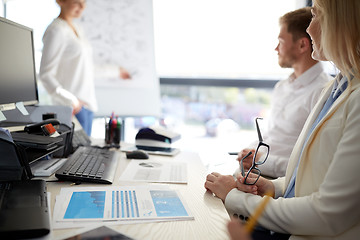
137, 154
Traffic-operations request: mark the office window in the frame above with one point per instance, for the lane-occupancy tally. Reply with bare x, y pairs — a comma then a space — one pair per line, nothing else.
2, 9
219, 38
36, 14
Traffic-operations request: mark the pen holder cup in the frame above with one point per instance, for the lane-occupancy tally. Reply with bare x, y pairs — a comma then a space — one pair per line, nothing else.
112, 133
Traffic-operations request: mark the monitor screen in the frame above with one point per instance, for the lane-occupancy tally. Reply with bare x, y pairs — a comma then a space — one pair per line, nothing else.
17, 66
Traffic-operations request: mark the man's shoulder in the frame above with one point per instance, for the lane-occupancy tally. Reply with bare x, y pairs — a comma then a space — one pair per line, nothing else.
289, 79
323, 77
319, 82
315, 79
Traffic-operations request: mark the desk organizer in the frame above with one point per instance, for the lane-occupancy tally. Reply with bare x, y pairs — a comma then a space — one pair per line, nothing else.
62, 149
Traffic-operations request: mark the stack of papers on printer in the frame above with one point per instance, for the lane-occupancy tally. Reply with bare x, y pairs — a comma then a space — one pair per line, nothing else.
81, 206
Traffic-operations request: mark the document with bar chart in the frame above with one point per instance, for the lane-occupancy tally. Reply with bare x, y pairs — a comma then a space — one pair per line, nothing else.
120, 203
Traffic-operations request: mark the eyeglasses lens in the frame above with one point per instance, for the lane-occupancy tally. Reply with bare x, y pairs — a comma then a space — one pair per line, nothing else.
252, 176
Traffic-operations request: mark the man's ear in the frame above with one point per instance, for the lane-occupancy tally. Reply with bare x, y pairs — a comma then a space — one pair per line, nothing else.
304, 44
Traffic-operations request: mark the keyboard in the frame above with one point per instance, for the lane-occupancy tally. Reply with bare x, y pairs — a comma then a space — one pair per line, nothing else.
80, 138
89, 164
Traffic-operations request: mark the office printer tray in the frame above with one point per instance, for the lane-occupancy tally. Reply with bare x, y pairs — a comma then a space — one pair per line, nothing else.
35, 141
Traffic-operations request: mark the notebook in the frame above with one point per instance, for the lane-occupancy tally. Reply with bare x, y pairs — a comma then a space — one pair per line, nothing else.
23, 209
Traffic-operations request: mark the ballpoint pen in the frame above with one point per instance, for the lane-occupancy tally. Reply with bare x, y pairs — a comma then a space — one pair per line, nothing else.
233, 153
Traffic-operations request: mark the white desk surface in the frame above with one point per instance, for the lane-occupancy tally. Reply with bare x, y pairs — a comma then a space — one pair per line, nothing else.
209, 212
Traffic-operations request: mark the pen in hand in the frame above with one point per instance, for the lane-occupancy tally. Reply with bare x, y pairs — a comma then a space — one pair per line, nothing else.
233, 153
250, 224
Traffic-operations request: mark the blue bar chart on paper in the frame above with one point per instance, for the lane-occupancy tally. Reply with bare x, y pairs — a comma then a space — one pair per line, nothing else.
86, 205
124, 204
120, 203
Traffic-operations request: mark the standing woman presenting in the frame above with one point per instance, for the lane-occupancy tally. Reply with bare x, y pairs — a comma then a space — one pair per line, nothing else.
66, 68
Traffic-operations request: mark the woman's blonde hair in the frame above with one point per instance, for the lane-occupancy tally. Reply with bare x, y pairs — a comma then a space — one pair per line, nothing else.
340, 33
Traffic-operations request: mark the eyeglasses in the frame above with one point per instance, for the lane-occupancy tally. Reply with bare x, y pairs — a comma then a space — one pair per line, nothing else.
253, 174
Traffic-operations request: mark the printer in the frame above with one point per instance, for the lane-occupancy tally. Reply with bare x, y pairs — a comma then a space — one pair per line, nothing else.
155, 137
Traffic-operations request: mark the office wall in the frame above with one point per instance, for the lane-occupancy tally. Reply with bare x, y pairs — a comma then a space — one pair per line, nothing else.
121, 33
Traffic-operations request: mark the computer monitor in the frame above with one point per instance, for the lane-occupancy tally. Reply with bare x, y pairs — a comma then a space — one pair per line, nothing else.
17, 66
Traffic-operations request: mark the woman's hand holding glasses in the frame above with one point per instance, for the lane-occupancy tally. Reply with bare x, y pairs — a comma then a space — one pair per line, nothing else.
249, 179
261, 187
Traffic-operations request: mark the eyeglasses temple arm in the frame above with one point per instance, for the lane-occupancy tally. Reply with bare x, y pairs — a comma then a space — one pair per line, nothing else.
258, 130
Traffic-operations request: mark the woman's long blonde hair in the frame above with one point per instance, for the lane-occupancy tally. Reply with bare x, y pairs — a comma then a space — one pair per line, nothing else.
340, 34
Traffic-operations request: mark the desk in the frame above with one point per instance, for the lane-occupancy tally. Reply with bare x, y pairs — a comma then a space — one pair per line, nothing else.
210, 214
